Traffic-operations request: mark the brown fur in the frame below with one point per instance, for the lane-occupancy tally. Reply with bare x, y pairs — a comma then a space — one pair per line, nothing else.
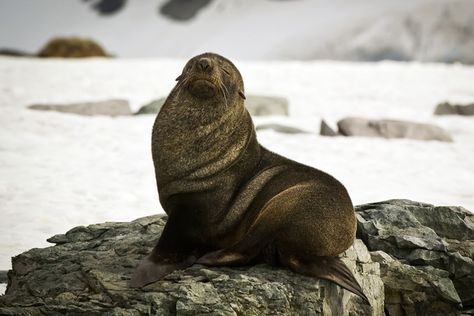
229, 200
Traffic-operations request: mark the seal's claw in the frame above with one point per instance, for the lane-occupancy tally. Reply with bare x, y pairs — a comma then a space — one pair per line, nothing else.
149, 272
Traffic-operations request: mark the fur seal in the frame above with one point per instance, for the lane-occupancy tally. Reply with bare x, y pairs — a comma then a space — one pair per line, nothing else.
229, 200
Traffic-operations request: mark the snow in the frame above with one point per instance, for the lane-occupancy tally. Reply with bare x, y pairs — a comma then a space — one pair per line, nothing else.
58, 170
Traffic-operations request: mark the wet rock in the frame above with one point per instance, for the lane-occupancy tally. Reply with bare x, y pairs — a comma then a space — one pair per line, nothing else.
425, 252
354, 126
87, 271
447, 108
108, 107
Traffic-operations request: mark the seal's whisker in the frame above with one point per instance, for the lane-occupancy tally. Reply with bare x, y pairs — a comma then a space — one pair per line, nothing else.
223, 94
225, 89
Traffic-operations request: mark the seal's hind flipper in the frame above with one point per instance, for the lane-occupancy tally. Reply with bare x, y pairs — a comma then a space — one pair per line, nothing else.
224, 257
327, 268
148, 271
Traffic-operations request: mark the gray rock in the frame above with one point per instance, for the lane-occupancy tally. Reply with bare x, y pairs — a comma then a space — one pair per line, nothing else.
429, 245
15, 52
326, 130
447, 108
151, 108
413, 290
257, 105
87, 271
281, 128
265, 105
183, 10
3, 276
354, 126
108, 107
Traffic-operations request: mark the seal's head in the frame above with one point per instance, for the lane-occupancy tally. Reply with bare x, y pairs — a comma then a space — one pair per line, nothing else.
209, 75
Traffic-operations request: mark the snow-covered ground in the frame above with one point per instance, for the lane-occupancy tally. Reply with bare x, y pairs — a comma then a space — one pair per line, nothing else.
58, 171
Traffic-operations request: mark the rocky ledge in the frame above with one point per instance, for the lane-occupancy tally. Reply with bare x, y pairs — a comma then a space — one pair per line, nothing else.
420, 263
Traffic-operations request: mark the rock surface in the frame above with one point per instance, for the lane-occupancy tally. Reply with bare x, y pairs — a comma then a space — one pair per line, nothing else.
108, 107
425, 253
447, 108
355, 126
87, 271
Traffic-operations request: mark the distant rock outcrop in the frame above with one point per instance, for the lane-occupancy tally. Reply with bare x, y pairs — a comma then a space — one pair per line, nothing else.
425, 254
107, 7
433, 32
15, 53
72, 47
447, 108
355, 126
108, 107
183, 10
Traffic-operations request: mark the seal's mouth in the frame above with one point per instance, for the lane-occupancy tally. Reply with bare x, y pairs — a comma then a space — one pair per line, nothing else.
202, 88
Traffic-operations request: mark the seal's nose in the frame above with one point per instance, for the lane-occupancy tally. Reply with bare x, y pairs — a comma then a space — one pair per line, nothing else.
204, 64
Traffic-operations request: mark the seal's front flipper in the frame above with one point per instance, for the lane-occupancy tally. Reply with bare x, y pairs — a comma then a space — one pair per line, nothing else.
327, 268
224, 257
149, 271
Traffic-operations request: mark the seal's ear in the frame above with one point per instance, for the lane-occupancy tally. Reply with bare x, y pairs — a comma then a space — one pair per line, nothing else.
179, 78
242, 95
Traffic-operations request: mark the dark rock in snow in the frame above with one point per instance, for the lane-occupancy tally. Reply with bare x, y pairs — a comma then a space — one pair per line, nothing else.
447, 108
109, 107
326, 130
72, 47
183, 10
355, 126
